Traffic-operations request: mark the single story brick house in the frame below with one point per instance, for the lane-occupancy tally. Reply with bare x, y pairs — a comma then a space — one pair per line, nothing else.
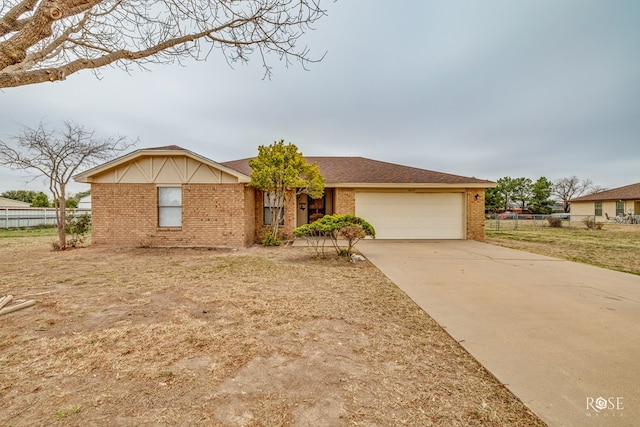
170, 196
616, 202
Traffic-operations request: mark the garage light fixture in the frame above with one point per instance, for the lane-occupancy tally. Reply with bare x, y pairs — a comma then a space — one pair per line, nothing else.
477, 196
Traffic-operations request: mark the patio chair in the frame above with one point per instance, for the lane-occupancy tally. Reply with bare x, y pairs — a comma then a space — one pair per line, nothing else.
627, 219
609, 219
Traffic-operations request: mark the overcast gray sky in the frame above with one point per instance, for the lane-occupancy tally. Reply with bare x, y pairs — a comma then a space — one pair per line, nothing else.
487, 88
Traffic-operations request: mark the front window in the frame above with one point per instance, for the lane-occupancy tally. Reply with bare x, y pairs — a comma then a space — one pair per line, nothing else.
270, 201
619, 208
169, 206
598, 209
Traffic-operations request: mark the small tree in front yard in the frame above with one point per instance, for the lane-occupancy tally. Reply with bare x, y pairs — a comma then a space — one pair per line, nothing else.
58, 155
352, 233
316, 235
335, 227
280, 171
350, 228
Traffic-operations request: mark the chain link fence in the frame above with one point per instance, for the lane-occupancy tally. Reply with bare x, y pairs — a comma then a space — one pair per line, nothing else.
508, 221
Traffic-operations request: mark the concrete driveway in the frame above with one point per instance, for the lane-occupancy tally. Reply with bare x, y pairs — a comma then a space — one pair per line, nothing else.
563, 337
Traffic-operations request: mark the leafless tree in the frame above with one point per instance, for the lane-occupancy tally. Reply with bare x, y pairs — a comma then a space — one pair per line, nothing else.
58, 155
566, 189
595, 189
48, 40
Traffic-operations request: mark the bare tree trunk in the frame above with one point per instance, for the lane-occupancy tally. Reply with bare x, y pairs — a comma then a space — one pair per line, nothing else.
61, 214
276, 214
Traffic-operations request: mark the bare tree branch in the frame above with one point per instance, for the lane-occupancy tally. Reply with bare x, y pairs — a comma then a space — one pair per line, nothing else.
10, 21
48, 40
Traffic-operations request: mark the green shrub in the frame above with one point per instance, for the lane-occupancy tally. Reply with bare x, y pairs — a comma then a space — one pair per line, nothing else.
77, 227
334, 227
270, 240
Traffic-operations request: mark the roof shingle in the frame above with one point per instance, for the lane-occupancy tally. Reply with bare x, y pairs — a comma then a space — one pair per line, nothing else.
628, 192
360, 170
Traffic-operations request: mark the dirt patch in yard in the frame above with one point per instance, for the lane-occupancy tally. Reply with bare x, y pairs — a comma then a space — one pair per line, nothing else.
253, 337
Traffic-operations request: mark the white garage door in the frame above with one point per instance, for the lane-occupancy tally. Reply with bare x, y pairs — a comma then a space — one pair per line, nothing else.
413, 215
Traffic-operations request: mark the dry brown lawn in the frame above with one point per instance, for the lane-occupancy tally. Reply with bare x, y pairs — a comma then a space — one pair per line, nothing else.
616, 247
253, 337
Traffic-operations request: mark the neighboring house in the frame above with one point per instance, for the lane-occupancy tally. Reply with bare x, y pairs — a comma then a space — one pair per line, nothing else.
85, 202
619, 201
10, 203
169, 196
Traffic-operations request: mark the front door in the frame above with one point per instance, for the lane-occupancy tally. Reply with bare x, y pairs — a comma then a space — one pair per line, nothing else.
316, 209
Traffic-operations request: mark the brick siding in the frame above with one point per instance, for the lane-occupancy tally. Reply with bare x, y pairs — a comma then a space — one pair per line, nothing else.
212, 215
344, 201
475, 214
249, 215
